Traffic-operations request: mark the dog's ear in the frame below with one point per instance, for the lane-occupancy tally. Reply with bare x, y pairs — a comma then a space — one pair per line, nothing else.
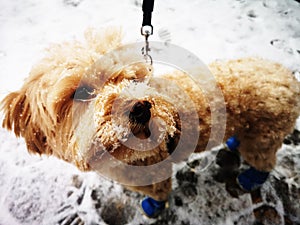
15, 111
17, 117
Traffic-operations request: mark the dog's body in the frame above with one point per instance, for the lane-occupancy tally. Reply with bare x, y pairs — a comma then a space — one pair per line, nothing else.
60, 110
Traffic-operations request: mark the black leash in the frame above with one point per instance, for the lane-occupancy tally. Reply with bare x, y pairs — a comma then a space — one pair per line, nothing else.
147, 28
147, 13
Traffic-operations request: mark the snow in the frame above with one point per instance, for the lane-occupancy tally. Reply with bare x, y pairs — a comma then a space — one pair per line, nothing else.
45, 190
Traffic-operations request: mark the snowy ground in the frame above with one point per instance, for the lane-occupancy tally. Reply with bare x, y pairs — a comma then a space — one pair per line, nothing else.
42, 190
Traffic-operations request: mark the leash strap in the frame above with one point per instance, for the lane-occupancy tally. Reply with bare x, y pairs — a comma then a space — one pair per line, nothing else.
147, 9
147, 28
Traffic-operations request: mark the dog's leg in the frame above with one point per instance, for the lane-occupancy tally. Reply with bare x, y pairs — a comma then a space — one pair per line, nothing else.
258, 146
229, 161
260, 153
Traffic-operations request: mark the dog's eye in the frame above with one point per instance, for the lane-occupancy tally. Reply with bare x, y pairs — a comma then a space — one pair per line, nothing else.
84, 93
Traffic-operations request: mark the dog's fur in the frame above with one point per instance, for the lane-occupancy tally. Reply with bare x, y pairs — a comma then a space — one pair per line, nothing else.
261, 97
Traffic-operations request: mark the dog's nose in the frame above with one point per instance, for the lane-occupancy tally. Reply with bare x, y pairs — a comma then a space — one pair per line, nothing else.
140, 112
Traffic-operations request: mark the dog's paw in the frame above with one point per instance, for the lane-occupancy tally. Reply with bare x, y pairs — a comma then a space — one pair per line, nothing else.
151, 207
252, 179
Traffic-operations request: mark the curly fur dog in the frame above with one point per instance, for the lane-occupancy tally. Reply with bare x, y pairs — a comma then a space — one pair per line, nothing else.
63, 110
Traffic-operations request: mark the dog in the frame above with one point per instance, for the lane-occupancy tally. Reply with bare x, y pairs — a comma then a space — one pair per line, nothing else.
76, 109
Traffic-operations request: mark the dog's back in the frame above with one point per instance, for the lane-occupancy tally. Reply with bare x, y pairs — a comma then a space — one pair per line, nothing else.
262, 101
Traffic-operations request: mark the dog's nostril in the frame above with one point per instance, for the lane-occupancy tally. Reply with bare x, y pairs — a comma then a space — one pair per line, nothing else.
140, 112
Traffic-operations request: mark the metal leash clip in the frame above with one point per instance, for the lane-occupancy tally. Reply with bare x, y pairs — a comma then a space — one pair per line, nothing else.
147, 28
146, 31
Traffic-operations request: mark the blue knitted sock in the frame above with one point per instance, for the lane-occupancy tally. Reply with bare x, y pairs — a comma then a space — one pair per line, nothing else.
152, 207
252, 179
233, 143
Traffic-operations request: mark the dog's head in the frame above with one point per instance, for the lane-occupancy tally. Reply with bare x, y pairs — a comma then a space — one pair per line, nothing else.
74, 107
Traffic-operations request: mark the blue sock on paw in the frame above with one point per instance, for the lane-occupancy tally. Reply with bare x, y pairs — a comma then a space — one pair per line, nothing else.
233, 143
152, 207
252, 179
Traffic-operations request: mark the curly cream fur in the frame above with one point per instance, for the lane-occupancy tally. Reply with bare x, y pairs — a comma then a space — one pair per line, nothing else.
262, 104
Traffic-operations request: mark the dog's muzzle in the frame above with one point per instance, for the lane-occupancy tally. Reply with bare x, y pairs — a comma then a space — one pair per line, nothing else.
140, 112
